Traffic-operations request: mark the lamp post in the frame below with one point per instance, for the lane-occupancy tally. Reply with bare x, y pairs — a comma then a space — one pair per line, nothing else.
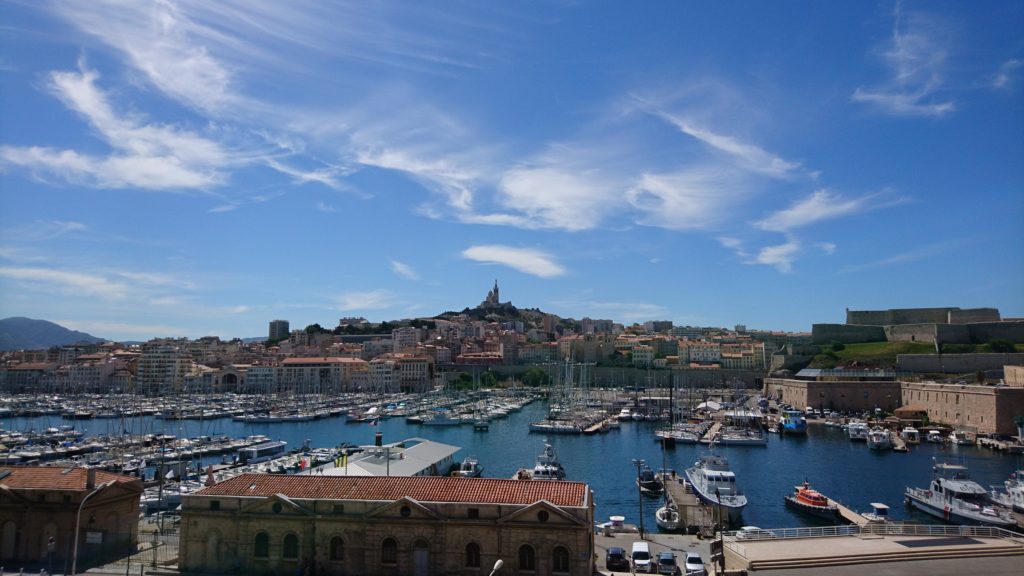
497, 566
639, 493
78, 519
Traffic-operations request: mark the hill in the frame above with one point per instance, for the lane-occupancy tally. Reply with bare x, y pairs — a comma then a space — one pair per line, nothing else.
18, 333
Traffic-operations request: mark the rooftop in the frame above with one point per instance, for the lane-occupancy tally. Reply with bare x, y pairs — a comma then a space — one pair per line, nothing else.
391, 488
55, 478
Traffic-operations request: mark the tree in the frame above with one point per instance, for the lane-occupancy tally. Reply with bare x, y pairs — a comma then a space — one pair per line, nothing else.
535, 377
488, 380
838, 346
1002, 345
314, 329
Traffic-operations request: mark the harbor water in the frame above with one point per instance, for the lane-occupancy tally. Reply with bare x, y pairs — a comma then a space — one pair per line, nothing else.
845, 471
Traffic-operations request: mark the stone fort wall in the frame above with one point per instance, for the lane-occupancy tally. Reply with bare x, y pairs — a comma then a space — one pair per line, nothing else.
949, 315
955, 363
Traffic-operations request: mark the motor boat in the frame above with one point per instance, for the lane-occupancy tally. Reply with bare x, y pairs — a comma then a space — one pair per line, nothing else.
811, 501
1013, 497
910, 435
793, 422
648, 481
469, 468
955, 498
857, 431
879, 439
935, 437
547, 467
714, 483
960, 438
667, 517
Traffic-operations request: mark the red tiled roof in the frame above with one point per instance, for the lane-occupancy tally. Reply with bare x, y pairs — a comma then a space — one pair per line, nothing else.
419, 488
55, 478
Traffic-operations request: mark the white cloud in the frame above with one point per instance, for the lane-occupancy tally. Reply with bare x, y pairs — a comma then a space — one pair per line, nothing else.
780, 256
526, 260
821, 205
903, 257
747, 156
555, 197
72, 282
404, 270
325, 207
827, 247
697, 199
372, 300
916, 63
1007, 74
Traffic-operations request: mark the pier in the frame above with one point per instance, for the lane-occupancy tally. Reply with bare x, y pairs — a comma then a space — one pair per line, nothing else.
711, 433
692, 512
898, 443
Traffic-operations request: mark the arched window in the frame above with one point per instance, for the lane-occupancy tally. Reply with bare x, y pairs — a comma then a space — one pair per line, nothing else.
261, 547
337, 552
290, 550
527, 558
472, 555
389, 552
560, 559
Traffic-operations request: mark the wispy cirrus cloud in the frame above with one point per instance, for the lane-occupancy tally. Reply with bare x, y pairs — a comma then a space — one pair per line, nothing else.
781, 256
526, 260
916, 62
919, 253
1007, 74
68, 282
694, 199
371, 300
404, 270
823, 205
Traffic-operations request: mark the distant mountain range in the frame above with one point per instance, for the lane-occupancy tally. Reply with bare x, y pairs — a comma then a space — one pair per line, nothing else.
18, 333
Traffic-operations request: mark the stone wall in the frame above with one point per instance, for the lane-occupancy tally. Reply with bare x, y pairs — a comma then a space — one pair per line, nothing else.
1014, 376
898, 316
841, 396
847, 334
973, 315
986, 331
955, 363
911, 333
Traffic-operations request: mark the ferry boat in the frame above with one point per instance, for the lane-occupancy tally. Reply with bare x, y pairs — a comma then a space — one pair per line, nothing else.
955, 498
811, 501
547, 467
879, 439
714, 483
261, 452
857, 431
793, 422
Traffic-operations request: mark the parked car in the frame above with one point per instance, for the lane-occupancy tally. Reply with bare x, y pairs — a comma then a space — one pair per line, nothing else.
667, 564
643, 562
753, 533
693, 565
615, 559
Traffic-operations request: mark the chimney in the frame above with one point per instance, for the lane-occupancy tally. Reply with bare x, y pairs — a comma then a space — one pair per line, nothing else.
90, 479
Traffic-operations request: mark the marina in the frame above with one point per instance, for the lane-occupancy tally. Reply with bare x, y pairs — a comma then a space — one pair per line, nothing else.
856, 475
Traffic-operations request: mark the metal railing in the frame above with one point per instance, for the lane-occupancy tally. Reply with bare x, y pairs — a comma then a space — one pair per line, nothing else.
734, 540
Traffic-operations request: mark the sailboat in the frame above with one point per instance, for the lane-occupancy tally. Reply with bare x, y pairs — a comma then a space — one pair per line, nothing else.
667, 516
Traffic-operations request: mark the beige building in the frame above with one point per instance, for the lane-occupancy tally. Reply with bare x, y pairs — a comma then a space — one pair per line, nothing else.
981, 409
841, 395
259, 524
38, 503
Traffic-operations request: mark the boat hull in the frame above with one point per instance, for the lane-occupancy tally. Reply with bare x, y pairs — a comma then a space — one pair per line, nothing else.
829, 512
915, 499
667, 518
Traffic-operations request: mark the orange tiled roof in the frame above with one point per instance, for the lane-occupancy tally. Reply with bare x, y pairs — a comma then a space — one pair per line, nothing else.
55, 478
419, 488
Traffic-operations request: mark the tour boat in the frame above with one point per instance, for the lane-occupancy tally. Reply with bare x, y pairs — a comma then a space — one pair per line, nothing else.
811, 501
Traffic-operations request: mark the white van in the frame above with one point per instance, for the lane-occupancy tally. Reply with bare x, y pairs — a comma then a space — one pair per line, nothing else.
641, 557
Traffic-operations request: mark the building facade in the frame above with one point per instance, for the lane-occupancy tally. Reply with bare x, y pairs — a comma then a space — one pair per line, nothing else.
38, 503
257, 524
279, 330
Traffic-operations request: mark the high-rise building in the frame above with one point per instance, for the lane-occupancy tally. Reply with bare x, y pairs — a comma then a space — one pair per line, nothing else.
278, 329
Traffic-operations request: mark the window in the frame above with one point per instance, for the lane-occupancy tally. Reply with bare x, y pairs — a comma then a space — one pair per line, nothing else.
389, 552
527, 559
405, 511
560, 559
277, 507
472, 555
290, 549
473, 513
214, 505
261, 547
543, 516
337, 551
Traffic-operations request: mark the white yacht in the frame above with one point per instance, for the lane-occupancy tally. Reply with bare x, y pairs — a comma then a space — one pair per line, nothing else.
960, 438
1013, 497
547, 467
470, 468
935, 436
879, 439
667, 517
714, 483
857, 431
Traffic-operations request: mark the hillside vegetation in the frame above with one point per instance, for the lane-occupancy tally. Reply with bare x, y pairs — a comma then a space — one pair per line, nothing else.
883, 354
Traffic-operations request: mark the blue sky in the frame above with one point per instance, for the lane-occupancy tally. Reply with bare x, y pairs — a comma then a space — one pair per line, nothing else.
182, 168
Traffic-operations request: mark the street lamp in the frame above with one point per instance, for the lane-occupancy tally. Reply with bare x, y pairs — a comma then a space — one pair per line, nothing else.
78, 518
497, 566
639, 493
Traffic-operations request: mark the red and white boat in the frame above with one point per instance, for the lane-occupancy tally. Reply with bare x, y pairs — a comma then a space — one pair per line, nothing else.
811, 501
